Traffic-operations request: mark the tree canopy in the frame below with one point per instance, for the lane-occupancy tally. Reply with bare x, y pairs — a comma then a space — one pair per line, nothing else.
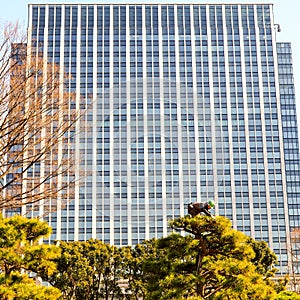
88, 270
21, 254
214, 263
211, 261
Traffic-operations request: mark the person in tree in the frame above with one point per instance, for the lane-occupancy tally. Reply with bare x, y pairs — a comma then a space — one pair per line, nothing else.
196, 208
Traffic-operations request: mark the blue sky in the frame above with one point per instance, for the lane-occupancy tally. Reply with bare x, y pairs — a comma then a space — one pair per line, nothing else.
286, 14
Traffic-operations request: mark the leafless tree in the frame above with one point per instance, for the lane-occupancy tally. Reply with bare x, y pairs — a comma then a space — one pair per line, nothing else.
37, 120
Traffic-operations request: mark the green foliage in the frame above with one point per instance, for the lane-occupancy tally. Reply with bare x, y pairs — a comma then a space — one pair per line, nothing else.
264, 259
133, 269
155, 260
215, 236
88, 270
214, 264
19, 252
21, 287
287, 295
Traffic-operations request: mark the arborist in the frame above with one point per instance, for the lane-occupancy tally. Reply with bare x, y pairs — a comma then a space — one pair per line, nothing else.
196, 208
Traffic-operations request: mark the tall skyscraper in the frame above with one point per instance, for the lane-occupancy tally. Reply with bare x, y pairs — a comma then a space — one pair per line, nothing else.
183, 103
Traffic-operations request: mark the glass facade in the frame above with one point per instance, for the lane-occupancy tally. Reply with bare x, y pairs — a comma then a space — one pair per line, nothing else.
290, 130
183, 103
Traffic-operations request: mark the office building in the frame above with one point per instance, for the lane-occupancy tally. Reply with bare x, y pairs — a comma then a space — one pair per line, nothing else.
183, 103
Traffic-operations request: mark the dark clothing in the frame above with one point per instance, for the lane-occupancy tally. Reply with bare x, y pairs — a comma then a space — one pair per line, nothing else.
197, 208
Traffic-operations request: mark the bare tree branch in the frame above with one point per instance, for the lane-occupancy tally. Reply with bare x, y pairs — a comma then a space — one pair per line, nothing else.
36, 126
